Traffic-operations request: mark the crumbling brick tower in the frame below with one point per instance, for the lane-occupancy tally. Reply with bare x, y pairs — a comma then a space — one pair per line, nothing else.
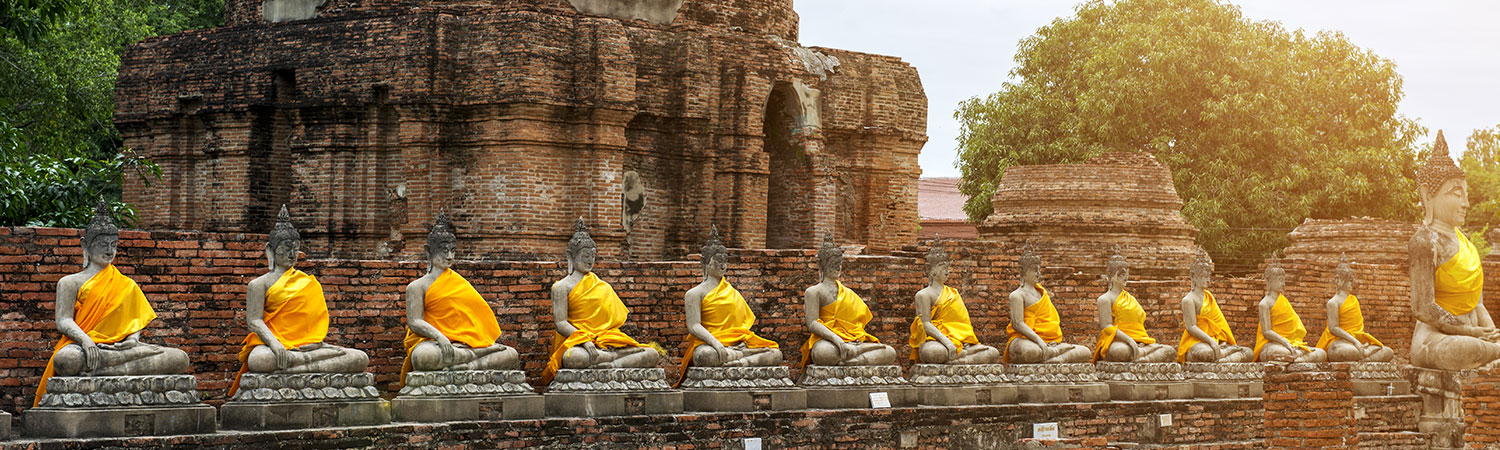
519, 116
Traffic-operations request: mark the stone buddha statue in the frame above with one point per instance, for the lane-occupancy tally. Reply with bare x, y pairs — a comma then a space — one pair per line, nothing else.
1122, 322
719, 319
1035, 330
1454, 331
449, 326
836, 318
288, 317
588, 315
101, 314
1345, 338
1206, 336
942, 333
1279, 335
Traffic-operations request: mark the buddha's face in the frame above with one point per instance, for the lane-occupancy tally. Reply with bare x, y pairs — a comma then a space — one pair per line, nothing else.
583, 259
939, 273
1031, 274
833, 269
716, 266
1449, 204
1343, 284
1118, 278
1275, 281
101, 251
284, 254
1200, 279
441, 255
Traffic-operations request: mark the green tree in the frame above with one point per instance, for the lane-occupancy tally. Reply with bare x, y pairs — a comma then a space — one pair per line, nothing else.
1481, 164
1261, 127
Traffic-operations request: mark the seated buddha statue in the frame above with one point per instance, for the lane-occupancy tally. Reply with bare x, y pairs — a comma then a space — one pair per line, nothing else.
288, 317
101, 314
1206, 336
1035, 330
588, 314
449, 326
1122, 321
1345, 338
836, 318
719, 319
1454, 331
942, 333
1279, 335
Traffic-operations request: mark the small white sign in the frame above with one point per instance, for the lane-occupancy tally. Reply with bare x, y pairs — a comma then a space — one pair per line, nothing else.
752, 443
1046, 430
880, 400
1165, 420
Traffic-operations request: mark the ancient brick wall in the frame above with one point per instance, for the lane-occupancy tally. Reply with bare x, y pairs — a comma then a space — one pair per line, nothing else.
1309, 406
1481, 396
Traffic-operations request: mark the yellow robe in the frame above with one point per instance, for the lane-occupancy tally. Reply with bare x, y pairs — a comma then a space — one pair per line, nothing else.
845, 317
1129, 317
458, 312
1043, 320
296, 314
597, 312
110, 307
1211, 321
1285, 322
1352, 320
1459, 283
949, 316
726, 315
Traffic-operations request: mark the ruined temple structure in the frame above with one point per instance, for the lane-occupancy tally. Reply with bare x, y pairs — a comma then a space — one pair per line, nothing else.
1075, 214
518, 117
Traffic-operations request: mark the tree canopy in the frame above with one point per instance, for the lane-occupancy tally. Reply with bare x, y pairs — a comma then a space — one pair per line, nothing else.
1261, 126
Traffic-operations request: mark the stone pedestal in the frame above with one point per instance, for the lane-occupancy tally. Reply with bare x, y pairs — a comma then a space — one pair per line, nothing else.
467, 395
1226, 380
1377, 379
1057, 383
1144, 381
841, 387
1442, 412
611, 392
741, 389
156, 405
962, 384
304, 400
4, 425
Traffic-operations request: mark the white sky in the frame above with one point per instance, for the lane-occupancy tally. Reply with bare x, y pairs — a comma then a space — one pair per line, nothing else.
1447, 51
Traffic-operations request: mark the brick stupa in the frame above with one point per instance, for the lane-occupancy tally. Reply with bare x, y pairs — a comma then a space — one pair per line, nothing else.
519, 117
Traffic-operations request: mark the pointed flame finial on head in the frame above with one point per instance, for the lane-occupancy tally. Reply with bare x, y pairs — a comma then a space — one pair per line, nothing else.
101, 225
714, 247
1438, 168
284, 231
581, 238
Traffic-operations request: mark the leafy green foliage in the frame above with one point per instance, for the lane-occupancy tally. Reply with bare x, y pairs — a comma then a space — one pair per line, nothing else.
1261, 127
59, 150
1481, 164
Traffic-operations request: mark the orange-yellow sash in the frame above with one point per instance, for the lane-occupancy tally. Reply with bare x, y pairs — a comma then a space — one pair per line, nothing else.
110, 307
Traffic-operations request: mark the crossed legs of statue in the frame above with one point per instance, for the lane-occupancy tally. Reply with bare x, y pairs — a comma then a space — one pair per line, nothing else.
1202, 352
582, 357
1149, 353
931, 352
1023, 351
1342, 351
1276, 352
310, 358
825, 353
1450, 352
133, 358
428, 356
739, 356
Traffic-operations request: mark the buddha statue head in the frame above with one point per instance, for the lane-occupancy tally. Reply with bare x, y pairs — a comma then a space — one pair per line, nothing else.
1343, 276
101, 238
1201, 270
715, 256
441, 243
1117, 270
938, 263
1275, 275
830, 258
581, 249
1030, 266
1443, 188
284, 241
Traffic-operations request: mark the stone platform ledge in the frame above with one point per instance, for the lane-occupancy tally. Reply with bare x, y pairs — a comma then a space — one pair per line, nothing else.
121, 391
1228, 389
1378, 379
240, 415
957, 374
1023, 374
609, 380
1067, 392
603, 404
1249, 371
1133, 372
134, 421
1150, 390
408, 408
851, 376
306, 387
750, 400
858, 397
997, 394
461, 383
738, 378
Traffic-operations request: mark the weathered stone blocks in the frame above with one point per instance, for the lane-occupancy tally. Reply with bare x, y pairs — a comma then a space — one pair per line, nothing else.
79, 407
1378, 378
962, 384
1145, 381
466, 395
741, 389
1057, 383
611, 392
832, 387
1225, 380
304, 400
